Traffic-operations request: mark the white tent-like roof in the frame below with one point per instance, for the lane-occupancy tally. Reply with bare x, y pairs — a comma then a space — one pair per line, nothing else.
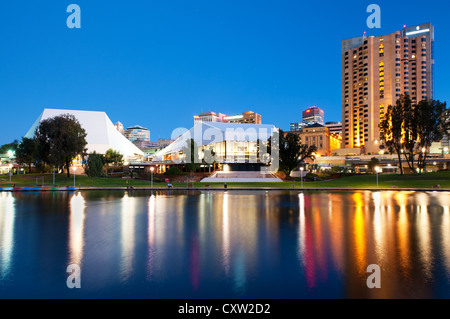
205, 133
101, 133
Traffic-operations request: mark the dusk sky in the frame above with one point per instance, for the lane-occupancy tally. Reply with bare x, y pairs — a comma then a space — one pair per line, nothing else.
158, 63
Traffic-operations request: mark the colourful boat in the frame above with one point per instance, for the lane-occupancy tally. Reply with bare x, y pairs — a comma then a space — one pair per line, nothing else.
8, 189
17, 188
26, 189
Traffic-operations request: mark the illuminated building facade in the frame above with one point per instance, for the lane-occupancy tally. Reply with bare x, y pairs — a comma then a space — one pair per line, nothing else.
375, 72
320, 136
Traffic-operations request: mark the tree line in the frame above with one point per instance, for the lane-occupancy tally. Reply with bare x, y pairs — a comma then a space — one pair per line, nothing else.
408, 130
56, 142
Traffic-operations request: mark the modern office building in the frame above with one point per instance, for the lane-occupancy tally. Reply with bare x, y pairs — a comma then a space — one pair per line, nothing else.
101, 133
375, 72
320, 136
209, 117
296, 126
334, 127
247, 117
313, 115
137, 132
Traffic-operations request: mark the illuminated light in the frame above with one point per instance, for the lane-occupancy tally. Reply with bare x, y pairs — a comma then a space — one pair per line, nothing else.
234, 117
418, 31
10, 153
76, 225
307, 111
404, 26
196, 116
7, 221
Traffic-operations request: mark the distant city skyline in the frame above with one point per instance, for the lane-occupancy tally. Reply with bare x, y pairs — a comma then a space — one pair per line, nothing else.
159, 64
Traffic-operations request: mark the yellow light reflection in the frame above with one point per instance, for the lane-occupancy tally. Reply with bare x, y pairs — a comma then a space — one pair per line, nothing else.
359, 234
423, 232
403, 231
444, 202
76, 226
7, 218
379, 226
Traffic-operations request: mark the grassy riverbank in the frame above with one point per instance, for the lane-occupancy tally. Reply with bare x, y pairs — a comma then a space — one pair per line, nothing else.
427, 180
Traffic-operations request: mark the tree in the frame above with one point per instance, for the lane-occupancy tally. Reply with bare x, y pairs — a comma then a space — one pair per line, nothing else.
5, 148
393, 127
374, 162
192, 159
113, 157
292, 152
60, 139
431, 126
25, 153
94, 165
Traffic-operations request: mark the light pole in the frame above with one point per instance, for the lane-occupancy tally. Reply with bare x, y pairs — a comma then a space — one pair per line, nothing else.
151, 170
301, 175
10, 170
377, 170
74, 169
53, 175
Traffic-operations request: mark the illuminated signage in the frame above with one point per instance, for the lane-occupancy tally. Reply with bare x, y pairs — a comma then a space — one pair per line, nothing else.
417, 32
234, 117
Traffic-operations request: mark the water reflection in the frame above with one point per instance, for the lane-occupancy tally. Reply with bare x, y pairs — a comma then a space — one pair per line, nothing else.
127, 232
245, 244
7, 218
76, 229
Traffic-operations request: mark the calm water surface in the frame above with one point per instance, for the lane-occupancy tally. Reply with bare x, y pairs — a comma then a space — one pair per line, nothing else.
215, 244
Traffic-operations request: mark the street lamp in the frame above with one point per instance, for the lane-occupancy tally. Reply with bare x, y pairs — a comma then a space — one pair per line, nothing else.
10, 170
151, 170
301, 174
74, 169
377, 169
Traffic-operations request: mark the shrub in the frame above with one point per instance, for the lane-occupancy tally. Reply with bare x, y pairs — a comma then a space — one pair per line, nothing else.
94, 165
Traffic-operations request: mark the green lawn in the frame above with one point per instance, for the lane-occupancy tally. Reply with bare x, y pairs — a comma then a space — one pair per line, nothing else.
426, 180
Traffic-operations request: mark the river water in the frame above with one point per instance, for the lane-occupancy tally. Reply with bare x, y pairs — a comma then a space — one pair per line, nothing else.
225, 244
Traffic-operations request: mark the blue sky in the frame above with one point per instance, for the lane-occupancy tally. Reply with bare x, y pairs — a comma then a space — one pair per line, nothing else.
158, 63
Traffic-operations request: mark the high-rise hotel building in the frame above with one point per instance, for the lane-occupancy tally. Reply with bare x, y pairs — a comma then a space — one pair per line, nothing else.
375, 72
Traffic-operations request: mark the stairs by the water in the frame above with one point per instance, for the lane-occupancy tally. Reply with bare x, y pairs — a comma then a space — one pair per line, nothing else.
241, 176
